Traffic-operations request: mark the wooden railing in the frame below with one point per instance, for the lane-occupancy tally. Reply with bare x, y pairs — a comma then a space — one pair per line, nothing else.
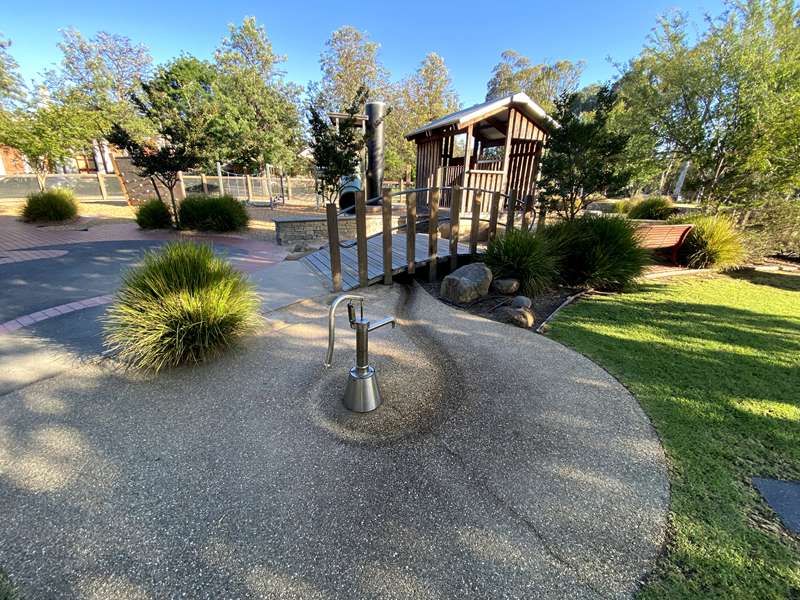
481, 198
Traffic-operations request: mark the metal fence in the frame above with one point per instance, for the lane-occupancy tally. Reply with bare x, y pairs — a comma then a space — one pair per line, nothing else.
86, 187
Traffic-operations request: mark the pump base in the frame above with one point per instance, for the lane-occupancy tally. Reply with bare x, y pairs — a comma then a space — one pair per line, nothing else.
362, 393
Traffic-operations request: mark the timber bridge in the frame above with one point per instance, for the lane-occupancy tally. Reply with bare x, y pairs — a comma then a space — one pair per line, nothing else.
468, 217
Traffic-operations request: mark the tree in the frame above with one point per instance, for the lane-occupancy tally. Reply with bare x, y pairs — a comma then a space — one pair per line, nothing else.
420, 98
101, 73
583, 155
337, 150
46, 132
10, 82
727, 103
180, 104
259, 120
349, 63
544, 83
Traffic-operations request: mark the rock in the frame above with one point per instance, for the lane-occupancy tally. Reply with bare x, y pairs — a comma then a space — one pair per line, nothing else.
467, 283
506, 285
521, 317
300, 247
521, 302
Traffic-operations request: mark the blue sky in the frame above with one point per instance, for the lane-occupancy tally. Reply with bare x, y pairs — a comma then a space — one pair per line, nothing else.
469, 35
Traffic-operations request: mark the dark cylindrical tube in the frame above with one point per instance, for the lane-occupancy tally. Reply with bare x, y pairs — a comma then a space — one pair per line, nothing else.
375, 161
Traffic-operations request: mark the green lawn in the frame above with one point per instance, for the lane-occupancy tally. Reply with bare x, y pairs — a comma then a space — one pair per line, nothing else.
715, 363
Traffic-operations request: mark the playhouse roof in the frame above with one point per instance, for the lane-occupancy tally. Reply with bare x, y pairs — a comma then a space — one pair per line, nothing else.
460, 119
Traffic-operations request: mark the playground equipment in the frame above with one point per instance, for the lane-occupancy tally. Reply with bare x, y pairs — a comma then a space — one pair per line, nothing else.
362, 393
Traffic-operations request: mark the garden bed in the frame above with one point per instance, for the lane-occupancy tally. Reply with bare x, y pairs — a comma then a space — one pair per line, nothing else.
543, 305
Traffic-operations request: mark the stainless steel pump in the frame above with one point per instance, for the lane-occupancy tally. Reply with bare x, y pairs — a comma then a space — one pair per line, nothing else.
362, 393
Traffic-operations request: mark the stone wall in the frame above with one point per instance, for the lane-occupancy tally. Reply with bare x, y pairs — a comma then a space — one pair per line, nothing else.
291, 230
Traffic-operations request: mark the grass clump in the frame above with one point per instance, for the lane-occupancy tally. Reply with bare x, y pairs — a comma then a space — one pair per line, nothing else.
714, 362
153, 214
656, 207
597, 251
525, 256
714, 242
212, 213
8, 591
56, 204
182, 305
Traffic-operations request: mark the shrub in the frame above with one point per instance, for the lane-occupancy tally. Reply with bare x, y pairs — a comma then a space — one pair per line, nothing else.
714, 241
212, 213
597, 251
153, 214
56, 204
525, 256
655, 207
181, 305
621, 207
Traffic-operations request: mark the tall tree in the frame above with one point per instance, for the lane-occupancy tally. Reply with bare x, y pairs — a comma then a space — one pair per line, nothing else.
350, 62
583, 156
101, 73
543, 82
11, 88
259, 120
180, 104
420, 98
726, 103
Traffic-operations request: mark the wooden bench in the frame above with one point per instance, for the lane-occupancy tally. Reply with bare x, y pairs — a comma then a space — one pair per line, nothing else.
663, 237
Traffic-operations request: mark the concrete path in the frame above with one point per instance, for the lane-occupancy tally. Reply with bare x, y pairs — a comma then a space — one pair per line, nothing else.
502, 465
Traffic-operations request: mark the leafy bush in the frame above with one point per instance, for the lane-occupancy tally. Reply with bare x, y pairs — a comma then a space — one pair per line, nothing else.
212, 213
56, 204
153, 214
655, 207
525, 256
714, 241
181, 305
773, 228
597, 251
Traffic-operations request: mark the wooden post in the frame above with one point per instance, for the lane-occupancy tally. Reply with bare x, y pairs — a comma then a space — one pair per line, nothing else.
493, 210
181, 186
402, 185
455, 215
361, 239
512, 204
433, 225
411, 231
476, 221
331, 211
387, 236
204, 183
219, 179
283, 193
101, 183
248, 186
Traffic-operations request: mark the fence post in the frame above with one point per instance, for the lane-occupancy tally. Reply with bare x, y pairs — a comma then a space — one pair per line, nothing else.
248, 186
283, 196
204, 182
101, 183
455, 215
181, 186
477, 200
387, 236
433, 225
289, 189
493, 210
361, 239
512, 204
219, 179
411, 231
333, 242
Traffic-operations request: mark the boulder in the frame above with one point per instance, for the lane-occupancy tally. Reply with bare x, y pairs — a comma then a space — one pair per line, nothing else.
467, 283
521, 317
521, 302
506, 285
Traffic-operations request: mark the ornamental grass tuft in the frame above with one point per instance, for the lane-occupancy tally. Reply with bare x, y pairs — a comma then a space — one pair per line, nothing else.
525, 256
182, 305
714, 242
56, 204
656, 207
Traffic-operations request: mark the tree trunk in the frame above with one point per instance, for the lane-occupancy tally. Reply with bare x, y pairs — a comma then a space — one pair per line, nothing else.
174, 205
155, 187
41, 179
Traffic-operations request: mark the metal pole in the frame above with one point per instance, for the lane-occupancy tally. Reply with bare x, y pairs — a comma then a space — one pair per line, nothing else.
375, 161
